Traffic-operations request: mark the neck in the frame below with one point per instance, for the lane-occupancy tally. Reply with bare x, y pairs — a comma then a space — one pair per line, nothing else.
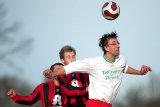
110, 58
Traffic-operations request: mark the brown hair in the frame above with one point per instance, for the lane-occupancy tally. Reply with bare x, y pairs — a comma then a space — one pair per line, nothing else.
66, 48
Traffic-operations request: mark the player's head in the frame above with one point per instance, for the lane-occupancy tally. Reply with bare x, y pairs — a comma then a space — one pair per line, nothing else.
110, 44
67, 54
56, 66
53, 67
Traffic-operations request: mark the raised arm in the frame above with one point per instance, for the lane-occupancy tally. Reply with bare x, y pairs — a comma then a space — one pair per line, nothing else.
144, 70
25, 100
81, 66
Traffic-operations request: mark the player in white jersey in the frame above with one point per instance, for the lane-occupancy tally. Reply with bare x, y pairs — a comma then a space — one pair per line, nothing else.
105, 72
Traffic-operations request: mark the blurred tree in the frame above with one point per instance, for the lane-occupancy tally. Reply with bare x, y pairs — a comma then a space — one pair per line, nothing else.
12, 45
20, 86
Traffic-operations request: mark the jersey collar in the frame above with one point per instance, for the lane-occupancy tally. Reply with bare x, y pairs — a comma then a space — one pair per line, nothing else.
111, 62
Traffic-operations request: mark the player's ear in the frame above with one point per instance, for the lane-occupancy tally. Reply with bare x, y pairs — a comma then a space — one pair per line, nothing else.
106, 48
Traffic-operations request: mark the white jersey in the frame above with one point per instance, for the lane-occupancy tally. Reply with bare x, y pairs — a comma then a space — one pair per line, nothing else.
105, 77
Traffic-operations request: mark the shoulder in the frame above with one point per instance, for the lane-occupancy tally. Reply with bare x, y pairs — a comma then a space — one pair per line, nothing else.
121, 58
93, 59
44, 83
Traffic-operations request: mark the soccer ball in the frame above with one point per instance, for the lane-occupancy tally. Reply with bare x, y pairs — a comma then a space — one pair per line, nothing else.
110, 10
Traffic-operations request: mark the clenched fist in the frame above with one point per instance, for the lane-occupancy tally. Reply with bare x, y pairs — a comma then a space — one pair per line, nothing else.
11, 93
47, 73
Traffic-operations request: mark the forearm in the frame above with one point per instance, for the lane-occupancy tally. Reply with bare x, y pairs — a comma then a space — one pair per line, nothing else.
131, 70
144, 69
26, 100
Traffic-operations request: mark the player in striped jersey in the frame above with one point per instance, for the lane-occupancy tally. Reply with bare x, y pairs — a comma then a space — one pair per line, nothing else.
75, 85
49, 93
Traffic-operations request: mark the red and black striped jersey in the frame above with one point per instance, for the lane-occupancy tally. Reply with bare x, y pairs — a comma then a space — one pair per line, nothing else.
74, 86
49, 95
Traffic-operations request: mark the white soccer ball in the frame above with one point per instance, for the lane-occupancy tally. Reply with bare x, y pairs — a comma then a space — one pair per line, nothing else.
110, 10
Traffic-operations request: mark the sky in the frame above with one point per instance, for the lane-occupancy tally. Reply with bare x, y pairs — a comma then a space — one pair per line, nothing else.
79, 23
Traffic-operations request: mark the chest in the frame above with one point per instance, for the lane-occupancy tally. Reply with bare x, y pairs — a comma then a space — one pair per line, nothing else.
108, 72
51, 95
76, 79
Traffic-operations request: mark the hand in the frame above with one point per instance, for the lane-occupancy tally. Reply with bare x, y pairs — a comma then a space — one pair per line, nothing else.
11, 93
47, 73
145, 69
